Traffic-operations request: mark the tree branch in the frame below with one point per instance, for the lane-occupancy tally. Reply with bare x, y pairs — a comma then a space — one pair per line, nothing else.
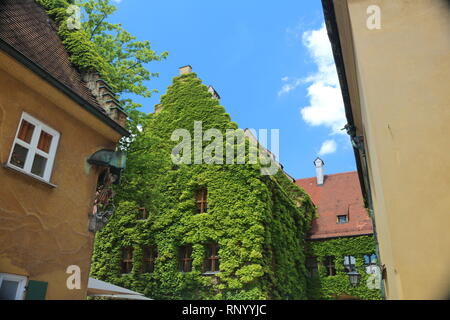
97, 25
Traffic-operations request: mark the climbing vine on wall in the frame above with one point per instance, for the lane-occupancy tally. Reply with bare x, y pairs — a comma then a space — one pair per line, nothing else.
259, 222
83, 52
331, 287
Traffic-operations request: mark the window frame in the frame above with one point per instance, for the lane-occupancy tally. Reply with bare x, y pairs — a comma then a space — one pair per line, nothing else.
185, 259
349, 267
143, 214
330, 266
201, 202
372, 264
342, 215
33, 150
312, 266
21, 288
127, 262
213, 259
149, 260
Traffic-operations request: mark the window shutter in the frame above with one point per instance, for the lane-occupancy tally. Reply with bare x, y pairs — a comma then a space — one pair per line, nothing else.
36, 290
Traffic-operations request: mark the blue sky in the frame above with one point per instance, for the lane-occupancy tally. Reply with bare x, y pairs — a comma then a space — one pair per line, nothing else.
270, 62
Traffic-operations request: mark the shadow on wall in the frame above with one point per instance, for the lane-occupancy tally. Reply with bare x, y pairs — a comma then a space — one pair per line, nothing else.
1, 121
314, 288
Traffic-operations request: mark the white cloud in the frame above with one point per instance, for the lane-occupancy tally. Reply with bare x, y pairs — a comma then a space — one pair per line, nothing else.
328, 147
288, 87
326, 107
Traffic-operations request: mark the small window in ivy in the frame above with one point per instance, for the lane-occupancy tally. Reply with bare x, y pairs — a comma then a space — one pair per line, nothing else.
127, 259
201, 198
370, 261
274, 261
185, 258
312, 266
342, 219
349, 263
143, 214
149, 255
212, 261
330, 266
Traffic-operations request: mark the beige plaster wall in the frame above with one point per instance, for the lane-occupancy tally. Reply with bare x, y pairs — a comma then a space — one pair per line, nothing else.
403, 75
43, 230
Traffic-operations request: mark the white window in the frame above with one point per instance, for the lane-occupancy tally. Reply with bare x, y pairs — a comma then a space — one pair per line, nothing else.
342, 219
12, 287
34, 148
349, 263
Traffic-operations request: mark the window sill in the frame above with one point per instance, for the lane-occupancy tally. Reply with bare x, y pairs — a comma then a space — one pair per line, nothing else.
210, 273
12, 168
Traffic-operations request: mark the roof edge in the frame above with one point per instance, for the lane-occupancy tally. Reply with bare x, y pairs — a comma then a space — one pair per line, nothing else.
338, 237
333, 35
328, 175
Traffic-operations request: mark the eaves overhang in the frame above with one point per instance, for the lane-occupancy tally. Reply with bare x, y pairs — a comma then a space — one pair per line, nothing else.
333, 35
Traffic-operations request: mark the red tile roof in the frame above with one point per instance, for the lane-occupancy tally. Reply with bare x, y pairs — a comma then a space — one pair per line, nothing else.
26, 27
339, 195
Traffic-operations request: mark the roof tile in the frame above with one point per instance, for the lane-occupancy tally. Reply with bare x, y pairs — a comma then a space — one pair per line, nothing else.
339, 195
25, 26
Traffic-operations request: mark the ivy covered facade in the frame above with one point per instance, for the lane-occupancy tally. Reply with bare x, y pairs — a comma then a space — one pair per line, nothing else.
332, 259
203, 231
341, 239
209, 231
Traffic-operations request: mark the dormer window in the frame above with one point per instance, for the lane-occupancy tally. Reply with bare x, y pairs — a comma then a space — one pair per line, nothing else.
34, 148
127, 260
342, 219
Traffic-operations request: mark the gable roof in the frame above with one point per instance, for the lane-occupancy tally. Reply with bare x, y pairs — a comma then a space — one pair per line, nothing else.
26, 26
28, 34
339, 195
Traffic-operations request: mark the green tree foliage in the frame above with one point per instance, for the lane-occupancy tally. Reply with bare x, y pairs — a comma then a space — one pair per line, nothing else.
119, 48
258, 221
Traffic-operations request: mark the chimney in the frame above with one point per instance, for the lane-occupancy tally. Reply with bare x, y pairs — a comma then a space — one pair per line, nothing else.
318, 163
185, 70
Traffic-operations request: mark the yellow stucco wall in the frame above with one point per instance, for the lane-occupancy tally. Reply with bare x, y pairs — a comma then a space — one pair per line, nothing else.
43, 230
402, 107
